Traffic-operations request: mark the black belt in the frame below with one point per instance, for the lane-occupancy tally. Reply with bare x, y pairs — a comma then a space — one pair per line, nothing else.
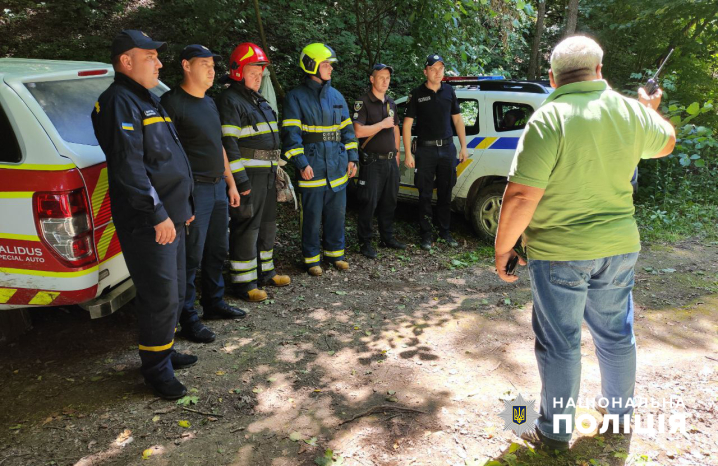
207, 179
308, 138
435, 142
385, 156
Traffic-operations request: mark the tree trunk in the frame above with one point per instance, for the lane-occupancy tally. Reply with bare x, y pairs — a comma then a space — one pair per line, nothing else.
572, 17
275, 81
535, 59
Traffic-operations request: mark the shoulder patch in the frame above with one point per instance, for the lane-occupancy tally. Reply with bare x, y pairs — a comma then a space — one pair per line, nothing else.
358, 105
355, 116
149, 113
128, 126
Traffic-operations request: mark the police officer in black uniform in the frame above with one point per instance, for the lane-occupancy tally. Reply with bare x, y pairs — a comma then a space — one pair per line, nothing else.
376, 124
151, 196
196, 118
435, 107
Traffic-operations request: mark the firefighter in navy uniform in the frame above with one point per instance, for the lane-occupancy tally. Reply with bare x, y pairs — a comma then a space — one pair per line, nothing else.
318, 137
250, 136
150, 185
376, 124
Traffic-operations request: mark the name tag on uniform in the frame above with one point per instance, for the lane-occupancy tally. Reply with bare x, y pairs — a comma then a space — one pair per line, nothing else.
423, 99
128, 126
150, 113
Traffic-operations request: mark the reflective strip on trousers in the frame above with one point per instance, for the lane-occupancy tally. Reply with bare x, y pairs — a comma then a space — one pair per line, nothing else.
309, 260
241, 266
267, 265
244, 277
266, 255
334, 253
157, 349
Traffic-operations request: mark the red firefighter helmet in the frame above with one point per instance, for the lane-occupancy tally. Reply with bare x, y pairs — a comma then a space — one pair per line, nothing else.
246, 53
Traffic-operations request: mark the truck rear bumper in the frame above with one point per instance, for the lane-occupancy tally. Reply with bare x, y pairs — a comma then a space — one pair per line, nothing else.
108, 303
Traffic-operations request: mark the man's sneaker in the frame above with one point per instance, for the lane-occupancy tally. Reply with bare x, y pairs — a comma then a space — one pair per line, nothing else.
341, 265
171, 389
198, 333
255, 295
540, 441
368, 250
315, 271
183, 360
426, 242
278, 280
223, 311
449, 240
392, 243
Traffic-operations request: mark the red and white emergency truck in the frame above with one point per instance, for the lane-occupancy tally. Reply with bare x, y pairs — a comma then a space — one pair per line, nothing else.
58, 245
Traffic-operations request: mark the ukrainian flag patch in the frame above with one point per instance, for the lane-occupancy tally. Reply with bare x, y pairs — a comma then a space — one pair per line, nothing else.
128, 126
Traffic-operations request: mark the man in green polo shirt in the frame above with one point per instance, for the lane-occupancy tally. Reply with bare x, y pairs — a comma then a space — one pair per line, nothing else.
570, 195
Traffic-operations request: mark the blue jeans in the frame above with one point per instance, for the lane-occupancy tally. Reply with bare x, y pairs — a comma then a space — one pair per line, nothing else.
207, 246
564, 294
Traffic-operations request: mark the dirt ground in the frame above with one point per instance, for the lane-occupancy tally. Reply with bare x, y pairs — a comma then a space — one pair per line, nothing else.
403, 361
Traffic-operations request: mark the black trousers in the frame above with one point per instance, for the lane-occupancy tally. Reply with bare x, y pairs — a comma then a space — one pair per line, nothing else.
435, 167
158, 273
379, 193
252, 231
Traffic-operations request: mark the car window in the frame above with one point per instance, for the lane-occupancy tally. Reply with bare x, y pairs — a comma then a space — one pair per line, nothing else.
470, 115
9, 147
69, 104
401, 108
510, 116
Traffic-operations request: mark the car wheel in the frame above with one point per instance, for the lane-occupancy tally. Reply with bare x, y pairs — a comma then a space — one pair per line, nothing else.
485, 211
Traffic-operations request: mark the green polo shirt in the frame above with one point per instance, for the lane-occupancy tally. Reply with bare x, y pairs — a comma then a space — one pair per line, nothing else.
582, 146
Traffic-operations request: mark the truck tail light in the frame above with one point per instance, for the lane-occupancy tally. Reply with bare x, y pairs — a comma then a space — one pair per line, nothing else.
63, 220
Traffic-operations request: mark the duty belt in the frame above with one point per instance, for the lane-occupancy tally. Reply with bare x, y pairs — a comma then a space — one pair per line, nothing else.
308, 138
435, 142
259, 154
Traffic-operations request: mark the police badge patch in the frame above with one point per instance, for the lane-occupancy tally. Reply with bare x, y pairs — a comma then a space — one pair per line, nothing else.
519, 415
358, 105
355, 116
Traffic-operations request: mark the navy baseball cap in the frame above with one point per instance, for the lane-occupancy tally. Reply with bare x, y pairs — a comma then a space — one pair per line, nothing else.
131, 38
382, 66
433, 58
195, 51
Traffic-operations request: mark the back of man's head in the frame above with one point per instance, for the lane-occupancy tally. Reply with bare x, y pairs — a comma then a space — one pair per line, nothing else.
575, 58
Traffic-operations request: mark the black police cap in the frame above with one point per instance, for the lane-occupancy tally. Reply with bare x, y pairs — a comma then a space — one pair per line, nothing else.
197, 51
131, 38
432, 59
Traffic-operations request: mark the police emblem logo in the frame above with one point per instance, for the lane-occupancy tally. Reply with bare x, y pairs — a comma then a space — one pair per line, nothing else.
436, 57
519, 415
355, 116
204, 47
391, 113
145, 34
358, 105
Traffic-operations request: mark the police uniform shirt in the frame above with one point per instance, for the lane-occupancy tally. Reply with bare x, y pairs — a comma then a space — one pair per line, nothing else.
369, 110
148, 172
200, 130
433, 111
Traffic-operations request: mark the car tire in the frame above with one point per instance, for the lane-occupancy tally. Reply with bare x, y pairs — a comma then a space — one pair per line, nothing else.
485, 211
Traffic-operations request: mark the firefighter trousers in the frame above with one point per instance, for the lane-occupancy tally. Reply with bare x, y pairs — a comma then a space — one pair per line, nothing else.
322, 207
158, 272
252, 231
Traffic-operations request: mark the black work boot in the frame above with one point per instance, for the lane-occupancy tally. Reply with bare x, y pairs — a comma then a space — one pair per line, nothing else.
368, 250
198, 333
223, 311
393, 243
426, 241
183, 360
449, 239
171, 389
